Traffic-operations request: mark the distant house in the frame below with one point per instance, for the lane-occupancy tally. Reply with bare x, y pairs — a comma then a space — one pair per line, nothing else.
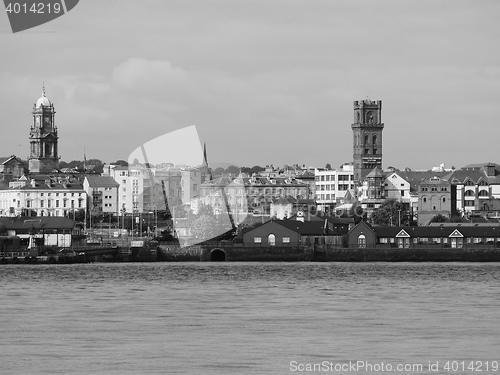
434, 198
43, 195
477, 188
436, 236
290, 233
40, 231
11, 168
281, 208
102, 192
362, 236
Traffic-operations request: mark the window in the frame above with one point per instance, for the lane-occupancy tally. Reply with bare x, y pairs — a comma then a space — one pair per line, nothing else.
257, 240
286, 239
362, 241
271, 239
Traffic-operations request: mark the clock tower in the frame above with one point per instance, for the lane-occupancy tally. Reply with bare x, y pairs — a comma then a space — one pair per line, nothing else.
367, 143
43, 138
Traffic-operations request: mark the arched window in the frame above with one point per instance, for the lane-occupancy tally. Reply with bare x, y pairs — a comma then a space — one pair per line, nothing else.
366, 139
483, 193
271, 239
374, 139
361, 241
469, 193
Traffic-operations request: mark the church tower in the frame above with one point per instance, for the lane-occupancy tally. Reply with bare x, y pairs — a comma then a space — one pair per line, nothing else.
43, 138
367, 143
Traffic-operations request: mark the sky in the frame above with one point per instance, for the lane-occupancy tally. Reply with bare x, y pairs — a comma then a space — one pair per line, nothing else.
264, 81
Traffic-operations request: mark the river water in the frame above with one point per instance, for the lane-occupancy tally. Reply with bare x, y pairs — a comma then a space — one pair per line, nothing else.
249, 318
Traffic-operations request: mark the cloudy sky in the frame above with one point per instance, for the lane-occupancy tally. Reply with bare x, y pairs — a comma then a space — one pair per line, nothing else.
264, 81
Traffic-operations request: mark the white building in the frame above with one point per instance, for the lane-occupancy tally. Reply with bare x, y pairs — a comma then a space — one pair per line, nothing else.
43, 196
102, 193
332, 185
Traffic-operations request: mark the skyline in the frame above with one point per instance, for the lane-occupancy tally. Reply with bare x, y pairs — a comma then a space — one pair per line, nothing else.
264, 82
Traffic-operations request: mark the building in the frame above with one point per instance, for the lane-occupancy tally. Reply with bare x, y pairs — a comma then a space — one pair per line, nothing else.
102, 193
39, 231
282, 208
291, 233
332, 186
11, 169
43, 195
250, 194
44, 157
434, 198
427, 237
477, 189
367, 132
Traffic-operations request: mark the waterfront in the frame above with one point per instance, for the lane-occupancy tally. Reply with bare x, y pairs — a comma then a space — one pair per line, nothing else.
243, 318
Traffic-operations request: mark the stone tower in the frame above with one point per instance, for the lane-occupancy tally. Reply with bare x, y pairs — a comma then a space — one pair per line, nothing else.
43, 138
367, 143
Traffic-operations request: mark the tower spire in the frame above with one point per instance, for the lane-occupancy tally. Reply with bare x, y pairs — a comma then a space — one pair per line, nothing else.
205, 161
43, 88
84, 160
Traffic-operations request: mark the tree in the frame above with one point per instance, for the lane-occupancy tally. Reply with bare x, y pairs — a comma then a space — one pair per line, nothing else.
80, 215
121, 163
256, 169
328, 166
218, 171
233, 170
391, 212
439, 218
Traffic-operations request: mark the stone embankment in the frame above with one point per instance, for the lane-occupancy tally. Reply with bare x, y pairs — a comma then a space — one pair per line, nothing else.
236, 252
